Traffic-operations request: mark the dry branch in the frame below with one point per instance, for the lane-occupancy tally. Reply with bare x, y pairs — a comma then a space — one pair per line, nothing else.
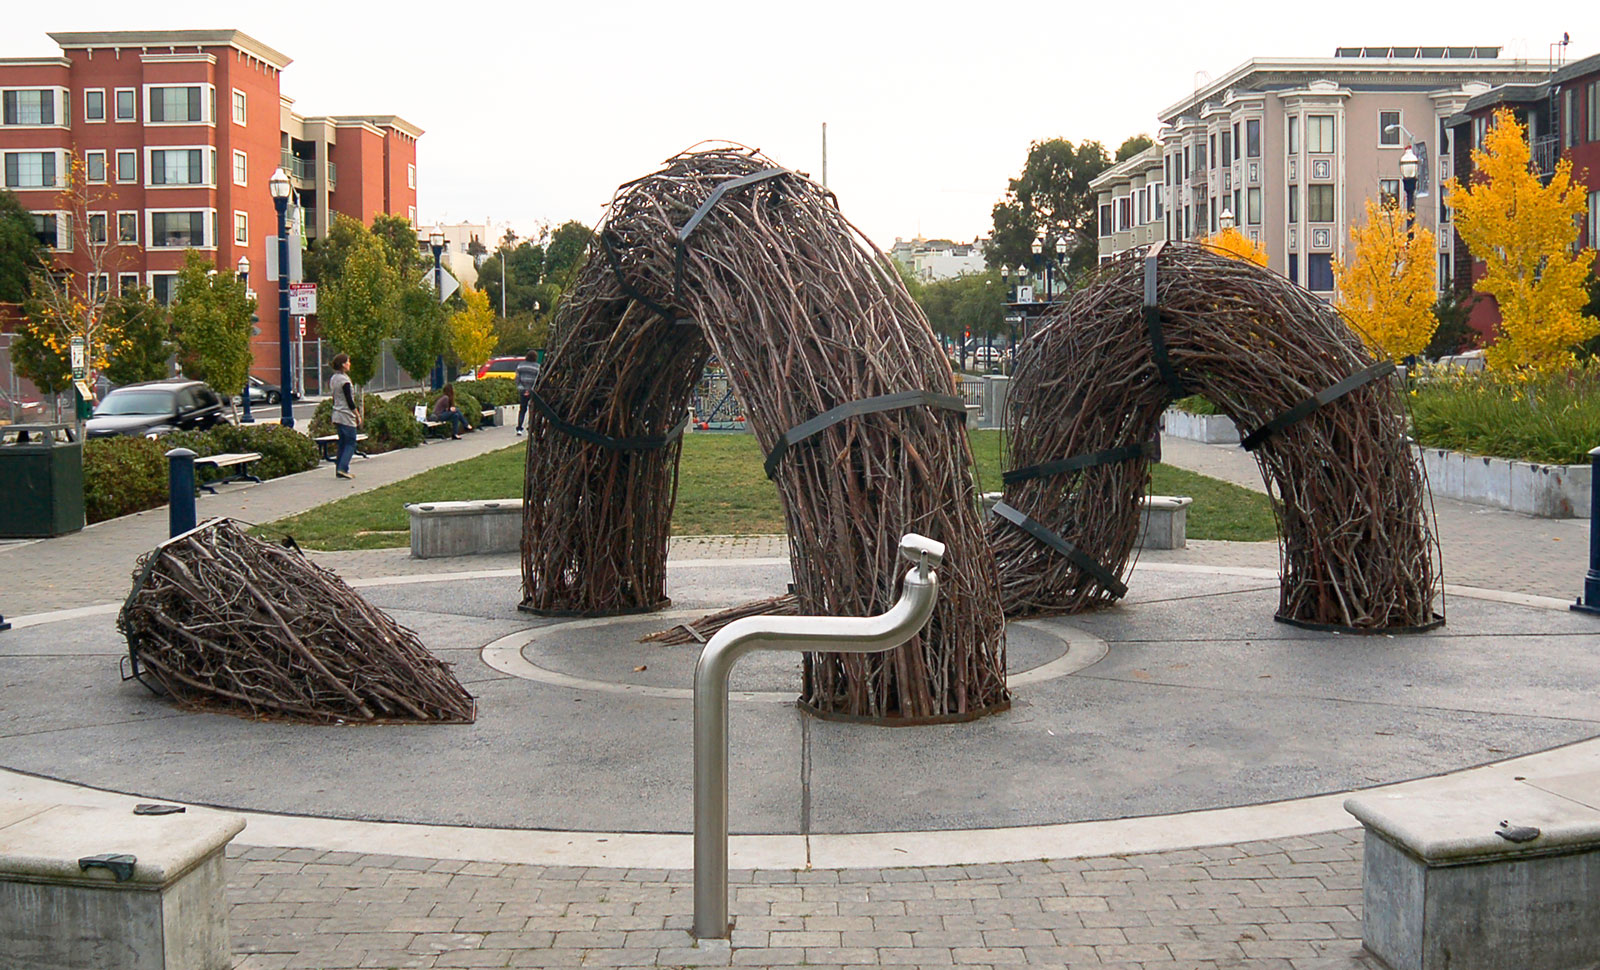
225, 622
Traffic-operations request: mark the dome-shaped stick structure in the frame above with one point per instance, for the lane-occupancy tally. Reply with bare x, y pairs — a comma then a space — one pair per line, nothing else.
1325, 422
845, 389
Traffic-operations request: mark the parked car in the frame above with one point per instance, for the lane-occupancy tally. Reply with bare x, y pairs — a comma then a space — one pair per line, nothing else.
263, 393
500, 367
156, 407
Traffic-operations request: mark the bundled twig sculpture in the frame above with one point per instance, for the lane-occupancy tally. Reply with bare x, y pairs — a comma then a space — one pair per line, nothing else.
225, 622
1325, 423
721, 251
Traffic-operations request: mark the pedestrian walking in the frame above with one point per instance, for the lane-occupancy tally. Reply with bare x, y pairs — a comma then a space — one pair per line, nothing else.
444, 409
527, 377
346, 415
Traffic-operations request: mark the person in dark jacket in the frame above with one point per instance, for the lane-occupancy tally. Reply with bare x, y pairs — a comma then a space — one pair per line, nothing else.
527, 377
444, 409
346, 415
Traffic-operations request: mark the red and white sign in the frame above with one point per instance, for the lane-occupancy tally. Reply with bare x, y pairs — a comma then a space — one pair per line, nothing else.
302, 322
302, 299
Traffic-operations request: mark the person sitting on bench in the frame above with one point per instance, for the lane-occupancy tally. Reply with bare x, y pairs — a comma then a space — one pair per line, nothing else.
444, 409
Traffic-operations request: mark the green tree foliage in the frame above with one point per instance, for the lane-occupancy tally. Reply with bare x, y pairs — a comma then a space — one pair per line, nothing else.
520, 333
1051, 198
21, 253
1454, 333
972, 303
401, 245
211, 322
360, 306
1133, 146
422, 330
146, 338
569, 245
325, 260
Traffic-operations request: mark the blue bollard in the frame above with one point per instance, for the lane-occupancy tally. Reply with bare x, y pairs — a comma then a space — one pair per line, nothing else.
180, 491
1590, 601
247, 417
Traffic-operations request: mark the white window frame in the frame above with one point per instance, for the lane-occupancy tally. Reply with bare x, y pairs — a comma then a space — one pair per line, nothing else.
208, 106
208, 228
241, 227
1305, 134
120, 153
150, 282
63, 164
105, 225
104, 108
104, 281
1399, 132
135, 240
116, 96
62, 218
208, 167
60, 104
411, 175
122, 280
105, 172
239, 107
238, 158
411, 214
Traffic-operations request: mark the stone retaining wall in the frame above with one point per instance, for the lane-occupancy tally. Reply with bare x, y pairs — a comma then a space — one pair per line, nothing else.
1547, 491
1211, 429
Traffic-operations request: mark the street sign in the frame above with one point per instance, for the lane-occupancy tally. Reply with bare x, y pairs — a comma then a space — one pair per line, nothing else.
450, 285
302, 299
1014, 318
302, 322
80, 367
1024, 294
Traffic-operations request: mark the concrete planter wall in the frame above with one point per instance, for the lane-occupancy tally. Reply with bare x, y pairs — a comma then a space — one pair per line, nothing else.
1211, 429
1547, 491
465, 528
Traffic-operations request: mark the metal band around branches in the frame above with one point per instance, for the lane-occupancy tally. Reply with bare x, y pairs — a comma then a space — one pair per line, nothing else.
648, 443
633, 292
871, 405
1077, 556
1150, 449
1304, 409
1152, 322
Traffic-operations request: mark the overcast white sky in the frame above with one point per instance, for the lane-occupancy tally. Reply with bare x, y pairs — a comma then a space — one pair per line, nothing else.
535, 112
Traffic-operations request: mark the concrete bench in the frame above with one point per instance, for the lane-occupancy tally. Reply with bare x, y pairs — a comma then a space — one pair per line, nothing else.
328, 444
241, 460
1163, 519
1505, 879
465, 528
70, 897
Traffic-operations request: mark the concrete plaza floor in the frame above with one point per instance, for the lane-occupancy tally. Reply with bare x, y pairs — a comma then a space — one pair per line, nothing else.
1165, 793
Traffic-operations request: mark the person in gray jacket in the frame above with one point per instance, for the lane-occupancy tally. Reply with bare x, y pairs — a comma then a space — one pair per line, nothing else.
527, 377
346, 414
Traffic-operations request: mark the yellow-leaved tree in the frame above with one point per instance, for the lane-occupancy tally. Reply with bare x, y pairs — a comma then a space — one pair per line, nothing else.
1238, 245
472, 335
1524, 232
1387, 289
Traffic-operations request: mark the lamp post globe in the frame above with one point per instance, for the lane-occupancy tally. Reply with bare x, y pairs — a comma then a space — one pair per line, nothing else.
278, 185
1226, 220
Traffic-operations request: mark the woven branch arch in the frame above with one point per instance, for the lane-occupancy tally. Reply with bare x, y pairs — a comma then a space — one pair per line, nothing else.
723, 252
1356, 548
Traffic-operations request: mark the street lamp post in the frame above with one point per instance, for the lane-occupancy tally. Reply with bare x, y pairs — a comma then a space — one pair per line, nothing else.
1408, 178
279, 185
1226, 219
436, 240
1038, 248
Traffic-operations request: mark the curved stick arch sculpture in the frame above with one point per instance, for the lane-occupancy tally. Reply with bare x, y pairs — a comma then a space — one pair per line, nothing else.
723, 252
1356, 549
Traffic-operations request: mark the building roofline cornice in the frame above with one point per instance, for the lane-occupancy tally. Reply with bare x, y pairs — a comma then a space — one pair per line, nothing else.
238, 39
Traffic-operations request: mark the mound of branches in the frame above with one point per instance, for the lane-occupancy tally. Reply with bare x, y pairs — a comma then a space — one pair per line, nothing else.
225, 622
805, 316
1356, 547
703, 629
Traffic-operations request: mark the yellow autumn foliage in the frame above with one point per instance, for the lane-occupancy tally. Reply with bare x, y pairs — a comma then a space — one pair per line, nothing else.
1525, 234
1236, 244
472, 336
1387, 289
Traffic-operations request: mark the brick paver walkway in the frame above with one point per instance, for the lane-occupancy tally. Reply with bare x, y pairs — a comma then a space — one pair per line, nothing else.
1292, 904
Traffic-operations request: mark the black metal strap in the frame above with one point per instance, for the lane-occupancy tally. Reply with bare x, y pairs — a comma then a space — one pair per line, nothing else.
1254, 439
1077, 556
1150, 449
633, 292
711, 201
650, 443
1152, 323
871, 405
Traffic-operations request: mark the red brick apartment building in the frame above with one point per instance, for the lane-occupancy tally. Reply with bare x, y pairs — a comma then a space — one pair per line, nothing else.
1562, 115
178, 132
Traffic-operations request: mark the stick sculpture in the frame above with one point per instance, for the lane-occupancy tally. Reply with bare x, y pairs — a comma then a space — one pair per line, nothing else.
1324, 421
845, 389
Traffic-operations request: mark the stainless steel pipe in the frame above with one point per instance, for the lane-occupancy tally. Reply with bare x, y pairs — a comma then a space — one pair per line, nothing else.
829, 634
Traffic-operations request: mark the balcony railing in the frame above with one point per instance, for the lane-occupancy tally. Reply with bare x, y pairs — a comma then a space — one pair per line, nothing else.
297, 167
1545, 151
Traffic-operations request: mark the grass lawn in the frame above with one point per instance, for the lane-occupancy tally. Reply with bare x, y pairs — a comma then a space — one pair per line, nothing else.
721, 491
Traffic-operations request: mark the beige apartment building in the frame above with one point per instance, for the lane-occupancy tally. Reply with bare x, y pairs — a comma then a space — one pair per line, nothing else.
1292, 148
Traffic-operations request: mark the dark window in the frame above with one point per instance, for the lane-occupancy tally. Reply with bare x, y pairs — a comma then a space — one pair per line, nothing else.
177, 167
1319, 203
44, 228
1211, 143
1105, 220
125, 105
1294, 204
128, 283
95, 166
162, 286
128, 227
1389, 192
1294, 136
97, 228
1294, 267
175, 104
1186, 168
1389, 129
1227, 149
1252, 138
94, 105
1319, 272
1319, 134
177, 229
36, 107
1253, 207
127, 166
30, 170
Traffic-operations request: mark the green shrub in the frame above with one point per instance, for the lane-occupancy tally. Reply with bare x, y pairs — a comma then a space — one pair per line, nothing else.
1553, 420
492, 392
284, 451
1195, 404
466, 403
390, 424
123, 475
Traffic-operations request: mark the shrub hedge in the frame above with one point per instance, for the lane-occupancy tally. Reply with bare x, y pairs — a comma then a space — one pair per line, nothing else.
1554, 420
491, 392
388, 426
123, 475
466, 402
